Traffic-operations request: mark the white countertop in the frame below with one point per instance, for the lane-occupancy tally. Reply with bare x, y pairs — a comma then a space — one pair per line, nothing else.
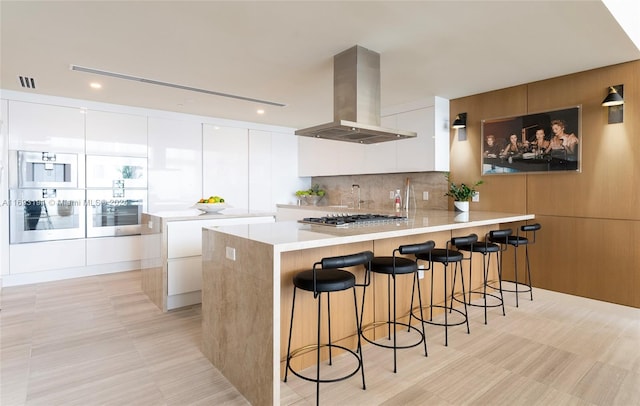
195, 214
291, 235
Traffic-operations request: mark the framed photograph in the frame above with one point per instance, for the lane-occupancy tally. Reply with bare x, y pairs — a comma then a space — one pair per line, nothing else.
543, 142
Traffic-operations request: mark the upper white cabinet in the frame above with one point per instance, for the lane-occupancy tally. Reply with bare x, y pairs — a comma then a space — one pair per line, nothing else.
175, 164
116, 134
427, 152
225, 155
43, 127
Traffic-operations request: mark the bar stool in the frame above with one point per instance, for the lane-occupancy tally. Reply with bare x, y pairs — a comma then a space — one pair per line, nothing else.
326, 277
516, 241
486, 248
393, 266
445, 256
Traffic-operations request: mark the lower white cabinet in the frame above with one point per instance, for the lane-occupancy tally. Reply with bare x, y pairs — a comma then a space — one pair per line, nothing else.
47, 256
108, 250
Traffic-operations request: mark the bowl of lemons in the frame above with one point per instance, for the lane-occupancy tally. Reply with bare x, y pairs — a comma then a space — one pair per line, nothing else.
213, 204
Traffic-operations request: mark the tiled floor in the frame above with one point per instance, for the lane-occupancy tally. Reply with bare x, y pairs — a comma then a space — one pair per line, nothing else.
100, 341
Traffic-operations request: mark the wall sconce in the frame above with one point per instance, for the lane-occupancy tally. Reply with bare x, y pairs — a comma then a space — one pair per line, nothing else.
460, 121
615, 104
460, 124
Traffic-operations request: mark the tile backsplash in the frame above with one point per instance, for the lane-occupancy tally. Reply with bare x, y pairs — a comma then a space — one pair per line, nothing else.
375, 190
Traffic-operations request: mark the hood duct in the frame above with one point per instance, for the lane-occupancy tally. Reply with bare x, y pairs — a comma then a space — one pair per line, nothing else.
356, 101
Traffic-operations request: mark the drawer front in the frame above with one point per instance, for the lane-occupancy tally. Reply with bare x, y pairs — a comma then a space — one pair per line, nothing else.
184, 275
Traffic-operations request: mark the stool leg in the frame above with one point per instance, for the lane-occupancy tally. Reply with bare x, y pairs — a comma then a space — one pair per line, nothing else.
446, 322
358, 327
318, 353
515, 270
389, 307
464, 298
293, 305
526, 253
499, 265
431, 307
329, 326
424, 334
395, 368
485, 271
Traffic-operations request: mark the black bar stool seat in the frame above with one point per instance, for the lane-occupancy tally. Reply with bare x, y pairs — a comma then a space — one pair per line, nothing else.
329, 280
393, 266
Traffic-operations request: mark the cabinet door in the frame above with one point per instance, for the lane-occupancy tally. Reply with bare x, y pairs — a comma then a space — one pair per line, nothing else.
273, 170
108, 250
184, 275
175, 164
43, 127
260, 171
225, 165
318, 157
46, 256
416, 154
116, 134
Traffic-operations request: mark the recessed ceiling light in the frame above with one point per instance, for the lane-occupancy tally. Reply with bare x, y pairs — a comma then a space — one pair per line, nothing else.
260, 111
95, 85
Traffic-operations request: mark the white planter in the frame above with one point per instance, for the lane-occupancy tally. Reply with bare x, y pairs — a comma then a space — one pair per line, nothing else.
461, 206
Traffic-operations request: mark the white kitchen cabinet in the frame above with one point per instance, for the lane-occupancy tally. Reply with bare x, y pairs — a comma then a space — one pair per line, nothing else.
46, 256
273, 163
175, 279
43, 127
117, 134
225, 167
175, 164
107, 250
428, 151
320, 157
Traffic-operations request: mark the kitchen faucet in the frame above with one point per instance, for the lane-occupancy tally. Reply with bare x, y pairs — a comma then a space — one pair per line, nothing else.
353, 198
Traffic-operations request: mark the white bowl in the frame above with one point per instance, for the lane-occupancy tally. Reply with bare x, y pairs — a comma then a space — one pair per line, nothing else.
211, 207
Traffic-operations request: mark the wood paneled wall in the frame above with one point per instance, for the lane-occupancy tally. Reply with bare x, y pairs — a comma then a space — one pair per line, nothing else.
590, 241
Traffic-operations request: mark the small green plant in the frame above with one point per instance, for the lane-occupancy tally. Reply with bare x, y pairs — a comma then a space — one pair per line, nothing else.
314, 191
461, 192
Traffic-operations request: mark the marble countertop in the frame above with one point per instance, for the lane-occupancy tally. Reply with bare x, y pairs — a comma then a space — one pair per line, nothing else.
292, 235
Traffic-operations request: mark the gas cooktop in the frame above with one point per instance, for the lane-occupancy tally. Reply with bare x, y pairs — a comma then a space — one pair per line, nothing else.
345, 220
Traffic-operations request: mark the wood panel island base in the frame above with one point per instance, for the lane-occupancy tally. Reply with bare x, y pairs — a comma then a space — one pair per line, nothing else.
247, 288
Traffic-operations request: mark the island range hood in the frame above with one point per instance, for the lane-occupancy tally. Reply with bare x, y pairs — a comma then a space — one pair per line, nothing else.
356, 101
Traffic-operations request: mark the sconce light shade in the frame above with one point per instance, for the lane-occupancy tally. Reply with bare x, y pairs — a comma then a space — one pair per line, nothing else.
460, 121
613, 98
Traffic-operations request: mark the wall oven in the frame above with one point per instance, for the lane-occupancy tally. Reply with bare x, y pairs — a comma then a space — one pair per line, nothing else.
115, 212
46, 214
116, 195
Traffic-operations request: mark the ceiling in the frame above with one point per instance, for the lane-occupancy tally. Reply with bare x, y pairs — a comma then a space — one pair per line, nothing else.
282, 51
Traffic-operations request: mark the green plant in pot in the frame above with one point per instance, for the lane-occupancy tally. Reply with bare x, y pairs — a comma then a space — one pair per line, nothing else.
312, 195
461, 193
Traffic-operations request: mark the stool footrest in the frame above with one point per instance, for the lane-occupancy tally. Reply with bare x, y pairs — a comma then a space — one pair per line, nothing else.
525, 287
379, 344
469, 303
337, 379
437, 323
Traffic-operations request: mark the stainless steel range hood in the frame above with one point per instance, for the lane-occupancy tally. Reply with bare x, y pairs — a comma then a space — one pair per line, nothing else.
356, 101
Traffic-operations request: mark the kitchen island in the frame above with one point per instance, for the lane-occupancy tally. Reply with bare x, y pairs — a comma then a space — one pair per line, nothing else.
172, 241
247, 288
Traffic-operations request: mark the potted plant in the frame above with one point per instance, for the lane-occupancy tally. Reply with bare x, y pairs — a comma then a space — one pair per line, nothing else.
312, 195
461, 193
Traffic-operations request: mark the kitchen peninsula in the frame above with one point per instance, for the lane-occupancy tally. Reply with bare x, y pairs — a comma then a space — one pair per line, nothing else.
247, 288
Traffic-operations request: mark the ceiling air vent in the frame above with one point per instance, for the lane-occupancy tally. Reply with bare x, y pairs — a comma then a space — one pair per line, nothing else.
26, 82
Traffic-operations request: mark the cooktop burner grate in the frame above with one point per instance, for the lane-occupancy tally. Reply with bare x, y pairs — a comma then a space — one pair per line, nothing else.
345, 220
